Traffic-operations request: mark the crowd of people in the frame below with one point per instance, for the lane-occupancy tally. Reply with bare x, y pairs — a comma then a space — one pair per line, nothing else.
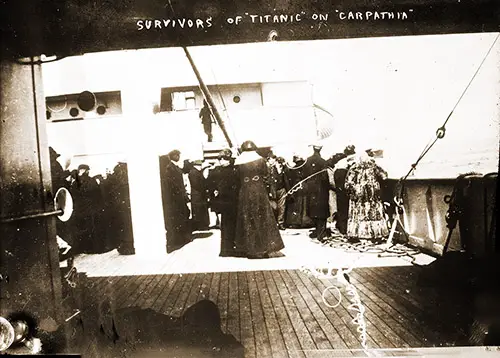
254, 195
101, 219
257, 194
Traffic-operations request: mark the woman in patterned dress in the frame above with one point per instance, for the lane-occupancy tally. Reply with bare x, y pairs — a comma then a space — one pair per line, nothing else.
366, 210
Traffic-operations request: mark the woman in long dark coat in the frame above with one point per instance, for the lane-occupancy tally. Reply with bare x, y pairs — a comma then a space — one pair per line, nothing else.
175, 209
366, 210
257, 233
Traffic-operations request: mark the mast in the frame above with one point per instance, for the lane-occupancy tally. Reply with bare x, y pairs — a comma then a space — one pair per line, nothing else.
209, 98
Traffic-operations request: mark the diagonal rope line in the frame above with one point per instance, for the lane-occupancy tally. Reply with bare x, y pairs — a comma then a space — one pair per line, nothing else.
441, 130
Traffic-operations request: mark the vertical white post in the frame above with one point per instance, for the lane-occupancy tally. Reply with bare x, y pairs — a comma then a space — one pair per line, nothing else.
138, 98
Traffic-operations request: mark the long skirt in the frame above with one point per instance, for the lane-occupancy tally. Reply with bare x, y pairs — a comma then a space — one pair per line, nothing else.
257, 232
366, 220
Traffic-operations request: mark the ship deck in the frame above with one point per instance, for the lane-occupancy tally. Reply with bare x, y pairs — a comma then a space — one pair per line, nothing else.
275, 309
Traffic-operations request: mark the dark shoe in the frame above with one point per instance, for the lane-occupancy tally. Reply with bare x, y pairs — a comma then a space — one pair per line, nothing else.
313, 235
281, 227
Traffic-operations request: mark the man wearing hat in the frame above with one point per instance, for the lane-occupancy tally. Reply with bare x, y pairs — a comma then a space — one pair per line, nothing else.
223, 184
175, 208
317, 188
58, 174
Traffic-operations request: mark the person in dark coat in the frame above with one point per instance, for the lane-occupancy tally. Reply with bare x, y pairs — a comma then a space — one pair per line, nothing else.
206, 120
342, 162
257, 233
57, 172
119, 215
296, 202
317, 188
223, 184
175, 209
86, 194
199, 197
276, 189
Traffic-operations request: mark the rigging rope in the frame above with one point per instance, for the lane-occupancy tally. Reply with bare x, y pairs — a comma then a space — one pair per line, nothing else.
441, 131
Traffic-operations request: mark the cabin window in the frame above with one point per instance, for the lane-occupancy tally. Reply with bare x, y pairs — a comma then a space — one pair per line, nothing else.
179, 99
75, 106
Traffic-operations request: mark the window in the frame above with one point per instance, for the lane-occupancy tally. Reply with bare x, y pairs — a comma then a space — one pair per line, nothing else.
177, 99
183, 100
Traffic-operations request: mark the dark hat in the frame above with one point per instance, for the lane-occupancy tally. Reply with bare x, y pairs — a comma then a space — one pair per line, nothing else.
225, 154
53, 153
83, 166
350, 149
248, 146
174, 153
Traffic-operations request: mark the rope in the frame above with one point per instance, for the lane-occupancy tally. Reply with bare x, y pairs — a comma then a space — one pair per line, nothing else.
441, 131
299, 186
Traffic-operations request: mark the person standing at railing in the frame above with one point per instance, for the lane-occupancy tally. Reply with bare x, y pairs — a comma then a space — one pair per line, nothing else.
206, 120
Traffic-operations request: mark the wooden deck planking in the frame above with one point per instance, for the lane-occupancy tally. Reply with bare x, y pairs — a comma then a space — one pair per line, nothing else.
233, 320
409, 339
274, 333
281, 313
262, 342
213, 291
205, 286
192, 298
402, 326
246, 326
409, 304
348, 335
115, 289
454, 308
150, 293
177, 309
290, 337
134, 294
223, 299
392, 304
157, 297
345, 314
329, 329
315, 329
384, 333
303, 334
169, 293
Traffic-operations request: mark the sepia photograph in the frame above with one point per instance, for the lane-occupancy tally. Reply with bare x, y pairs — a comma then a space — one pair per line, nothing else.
233, 179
